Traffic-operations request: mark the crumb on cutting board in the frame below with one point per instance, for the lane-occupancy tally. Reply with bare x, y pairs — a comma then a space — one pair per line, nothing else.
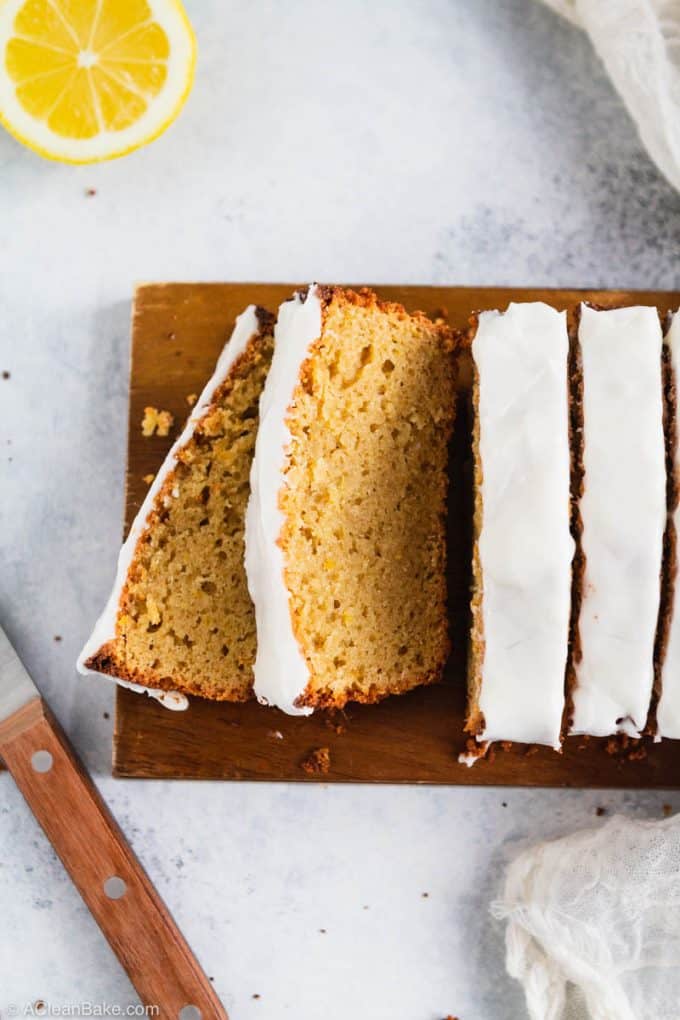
317, 761
335, 724
148, 479
156, 422
191, 399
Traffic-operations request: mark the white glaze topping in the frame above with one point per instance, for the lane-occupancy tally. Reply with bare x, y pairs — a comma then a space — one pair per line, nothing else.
623, 509
247, 326
525, 546
668, 711
281, 672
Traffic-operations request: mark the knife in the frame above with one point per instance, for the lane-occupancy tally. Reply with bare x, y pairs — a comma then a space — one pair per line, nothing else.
94, 851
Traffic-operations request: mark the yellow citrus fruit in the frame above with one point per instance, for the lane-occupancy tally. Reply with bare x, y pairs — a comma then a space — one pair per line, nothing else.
86, 80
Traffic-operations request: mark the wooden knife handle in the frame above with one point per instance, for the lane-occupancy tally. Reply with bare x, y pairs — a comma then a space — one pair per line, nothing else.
94, 851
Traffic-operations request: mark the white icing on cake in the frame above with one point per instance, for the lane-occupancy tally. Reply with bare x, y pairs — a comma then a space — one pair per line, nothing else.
281, 672
247, 326
668, 711
624, 511
525, 546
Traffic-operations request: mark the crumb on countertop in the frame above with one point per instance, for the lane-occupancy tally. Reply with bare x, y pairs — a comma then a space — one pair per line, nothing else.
191, 399
317, 761
256, 995
6, 374
90, 192
57, 637
156, 422
106, 715
667, 810
599, 811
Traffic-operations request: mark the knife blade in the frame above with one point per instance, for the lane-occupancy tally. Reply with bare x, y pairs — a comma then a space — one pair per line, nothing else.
92, 847
16, 686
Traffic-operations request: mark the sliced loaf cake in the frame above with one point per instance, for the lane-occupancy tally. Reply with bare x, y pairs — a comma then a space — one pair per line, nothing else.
522, 543
345, 537
179, 619
622, 511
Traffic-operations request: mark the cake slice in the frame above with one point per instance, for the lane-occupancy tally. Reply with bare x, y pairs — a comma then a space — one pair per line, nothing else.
523, 548
345, 537
179, 619
623, 514
667, 672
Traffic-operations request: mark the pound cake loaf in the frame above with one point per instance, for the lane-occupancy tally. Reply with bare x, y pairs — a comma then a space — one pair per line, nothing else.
523, 548
623, 515
179, 619
345, 537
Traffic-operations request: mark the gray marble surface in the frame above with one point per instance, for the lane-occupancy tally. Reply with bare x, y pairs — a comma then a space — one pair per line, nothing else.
430, 141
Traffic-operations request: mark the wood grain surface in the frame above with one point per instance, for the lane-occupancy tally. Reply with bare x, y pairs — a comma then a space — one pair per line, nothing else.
178, 332
136, 922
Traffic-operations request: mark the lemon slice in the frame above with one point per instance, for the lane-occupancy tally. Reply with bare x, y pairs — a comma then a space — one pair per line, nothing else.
86, 80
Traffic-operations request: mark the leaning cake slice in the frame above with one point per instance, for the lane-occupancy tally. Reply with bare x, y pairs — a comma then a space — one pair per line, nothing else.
179, 619
345, 536
523, 548
623, 514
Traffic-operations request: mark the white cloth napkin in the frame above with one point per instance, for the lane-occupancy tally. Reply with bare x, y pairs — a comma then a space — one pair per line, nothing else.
594, 923
639, 43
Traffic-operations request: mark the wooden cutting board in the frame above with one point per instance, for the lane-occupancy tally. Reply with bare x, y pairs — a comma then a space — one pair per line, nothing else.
178, 331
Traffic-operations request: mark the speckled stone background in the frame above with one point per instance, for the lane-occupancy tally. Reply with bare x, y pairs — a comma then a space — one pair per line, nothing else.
448, 141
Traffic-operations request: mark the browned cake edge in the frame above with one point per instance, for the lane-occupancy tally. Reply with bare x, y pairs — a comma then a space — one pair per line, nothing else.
577, 482
108, 659
669, 561
474, 721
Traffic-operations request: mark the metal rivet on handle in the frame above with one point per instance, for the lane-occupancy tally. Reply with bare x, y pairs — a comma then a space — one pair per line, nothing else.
190, 1013
115, 887
42, 761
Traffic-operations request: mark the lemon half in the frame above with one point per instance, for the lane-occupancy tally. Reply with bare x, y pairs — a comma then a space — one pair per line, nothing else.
87, 80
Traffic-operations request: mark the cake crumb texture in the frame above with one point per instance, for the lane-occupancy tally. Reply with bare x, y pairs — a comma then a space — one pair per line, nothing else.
364, 504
